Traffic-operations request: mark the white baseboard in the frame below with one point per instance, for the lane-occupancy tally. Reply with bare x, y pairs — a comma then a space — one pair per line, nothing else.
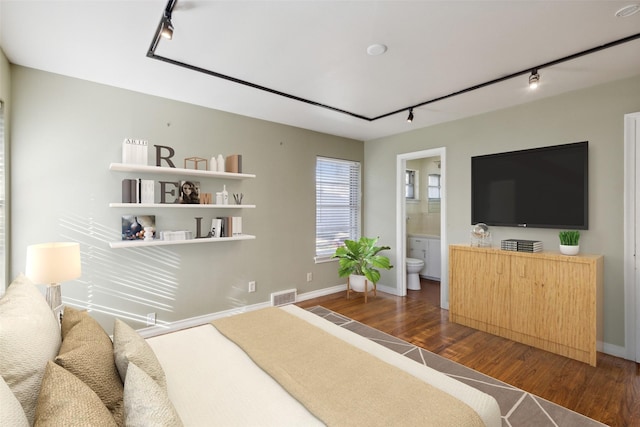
612, 350
152, 331
322, 292
387, 289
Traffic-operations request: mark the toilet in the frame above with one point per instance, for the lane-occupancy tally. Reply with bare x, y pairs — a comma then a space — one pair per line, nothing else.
413, 268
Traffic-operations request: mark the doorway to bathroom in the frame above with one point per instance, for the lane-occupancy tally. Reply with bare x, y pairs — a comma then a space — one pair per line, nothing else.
422, 216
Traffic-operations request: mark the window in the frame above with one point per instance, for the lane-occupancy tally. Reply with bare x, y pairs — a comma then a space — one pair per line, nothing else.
411, 184
337, 205
433, 184
433, 189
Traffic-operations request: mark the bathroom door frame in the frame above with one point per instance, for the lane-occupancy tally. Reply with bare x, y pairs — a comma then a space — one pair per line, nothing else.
401, 223
631, 237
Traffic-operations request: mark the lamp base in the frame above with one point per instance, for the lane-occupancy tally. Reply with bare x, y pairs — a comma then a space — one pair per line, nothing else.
54, 299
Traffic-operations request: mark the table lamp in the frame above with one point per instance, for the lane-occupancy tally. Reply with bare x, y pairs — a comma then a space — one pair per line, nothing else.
51, 264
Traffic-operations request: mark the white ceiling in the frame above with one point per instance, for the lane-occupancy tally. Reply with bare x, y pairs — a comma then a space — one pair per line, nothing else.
317, 50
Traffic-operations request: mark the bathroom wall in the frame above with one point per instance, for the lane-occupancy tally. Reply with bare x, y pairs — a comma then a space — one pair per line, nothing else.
423, 217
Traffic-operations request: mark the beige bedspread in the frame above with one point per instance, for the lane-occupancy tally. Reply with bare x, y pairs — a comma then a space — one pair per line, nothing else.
337, 382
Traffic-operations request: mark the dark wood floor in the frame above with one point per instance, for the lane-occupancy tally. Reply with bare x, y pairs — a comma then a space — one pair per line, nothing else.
609, 393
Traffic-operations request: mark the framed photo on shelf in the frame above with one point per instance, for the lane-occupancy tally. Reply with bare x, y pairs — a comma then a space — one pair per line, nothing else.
189, 192
138, 227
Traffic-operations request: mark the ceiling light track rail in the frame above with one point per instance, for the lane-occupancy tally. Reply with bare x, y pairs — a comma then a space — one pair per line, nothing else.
166, 18
253, 85
513, 75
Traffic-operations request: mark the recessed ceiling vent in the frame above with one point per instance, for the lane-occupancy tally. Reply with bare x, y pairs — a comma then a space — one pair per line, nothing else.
628, 10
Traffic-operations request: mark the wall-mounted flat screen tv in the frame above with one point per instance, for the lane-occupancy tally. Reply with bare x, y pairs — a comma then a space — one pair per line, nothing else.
542, 187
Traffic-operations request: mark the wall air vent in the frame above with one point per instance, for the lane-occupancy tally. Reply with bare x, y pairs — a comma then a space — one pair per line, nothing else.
283, 297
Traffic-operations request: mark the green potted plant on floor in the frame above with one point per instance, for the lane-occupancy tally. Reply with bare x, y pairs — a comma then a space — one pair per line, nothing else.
360, 260
569, 242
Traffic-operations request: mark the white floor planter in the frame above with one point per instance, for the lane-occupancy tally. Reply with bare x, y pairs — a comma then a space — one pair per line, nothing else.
569, 250
357, 283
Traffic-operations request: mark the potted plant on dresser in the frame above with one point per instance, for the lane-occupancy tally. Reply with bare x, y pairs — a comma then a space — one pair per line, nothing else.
569, 242
359, 261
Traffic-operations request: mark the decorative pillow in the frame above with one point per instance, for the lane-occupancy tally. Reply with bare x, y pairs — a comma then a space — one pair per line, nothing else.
65, 400
130, 347
146, 404
29, 337
11, 412
87, 352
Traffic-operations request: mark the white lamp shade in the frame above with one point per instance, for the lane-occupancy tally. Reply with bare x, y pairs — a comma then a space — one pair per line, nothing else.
53, 262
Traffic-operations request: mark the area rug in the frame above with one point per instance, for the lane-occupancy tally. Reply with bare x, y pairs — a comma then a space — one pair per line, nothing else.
518, 408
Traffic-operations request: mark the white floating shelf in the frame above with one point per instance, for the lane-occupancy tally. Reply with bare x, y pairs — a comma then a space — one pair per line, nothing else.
123, 167
178, 205
157, 242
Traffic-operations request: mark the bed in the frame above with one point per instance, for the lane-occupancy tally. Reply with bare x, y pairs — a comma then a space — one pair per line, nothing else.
271, 367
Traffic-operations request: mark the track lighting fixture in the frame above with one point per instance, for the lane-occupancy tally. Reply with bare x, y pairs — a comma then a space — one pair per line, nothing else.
165, 30
410, 118
167, 26
534, 79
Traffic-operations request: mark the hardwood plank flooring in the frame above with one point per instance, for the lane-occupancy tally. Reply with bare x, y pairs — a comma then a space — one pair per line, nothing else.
609, 393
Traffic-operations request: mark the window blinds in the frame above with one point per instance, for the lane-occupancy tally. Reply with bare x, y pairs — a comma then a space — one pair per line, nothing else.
337, 204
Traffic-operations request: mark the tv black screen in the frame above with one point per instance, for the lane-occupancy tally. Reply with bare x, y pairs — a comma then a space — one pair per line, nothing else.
542, 187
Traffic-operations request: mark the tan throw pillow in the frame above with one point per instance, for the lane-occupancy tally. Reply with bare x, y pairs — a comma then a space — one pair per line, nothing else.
65, 400
29, 337
11, 412
146, 404
87, 352
130, 347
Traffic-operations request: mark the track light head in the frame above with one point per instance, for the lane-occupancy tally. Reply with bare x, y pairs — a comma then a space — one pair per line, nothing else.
410, 118
167, 26
534, 79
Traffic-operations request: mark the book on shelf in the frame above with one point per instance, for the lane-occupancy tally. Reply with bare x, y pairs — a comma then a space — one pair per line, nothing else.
135, 151
138, 191
216, 227
236, 226
227, 226
176, 235
126, 191
233, 163
147, 191
130, 191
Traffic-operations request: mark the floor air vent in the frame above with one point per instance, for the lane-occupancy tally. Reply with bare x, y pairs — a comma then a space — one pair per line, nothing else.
283, 297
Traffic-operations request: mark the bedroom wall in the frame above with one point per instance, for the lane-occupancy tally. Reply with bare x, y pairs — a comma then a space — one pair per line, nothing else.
594, 114
5, 96
66, 132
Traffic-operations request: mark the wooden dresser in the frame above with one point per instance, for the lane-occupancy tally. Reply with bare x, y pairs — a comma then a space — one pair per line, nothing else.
545, 299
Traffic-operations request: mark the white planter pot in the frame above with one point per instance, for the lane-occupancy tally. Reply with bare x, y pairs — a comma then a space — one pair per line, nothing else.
569, 250
357, 283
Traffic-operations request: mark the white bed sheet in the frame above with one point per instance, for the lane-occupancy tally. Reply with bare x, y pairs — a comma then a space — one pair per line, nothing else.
212, 382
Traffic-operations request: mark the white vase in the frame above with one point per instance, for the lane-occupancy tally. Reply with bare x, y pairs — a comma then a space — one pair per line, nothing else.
357, 283
569, 249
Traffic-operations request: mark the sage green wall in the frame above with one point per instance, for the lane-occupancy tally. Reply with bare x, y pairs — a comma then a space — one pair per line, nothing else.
594, 114
66, 132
